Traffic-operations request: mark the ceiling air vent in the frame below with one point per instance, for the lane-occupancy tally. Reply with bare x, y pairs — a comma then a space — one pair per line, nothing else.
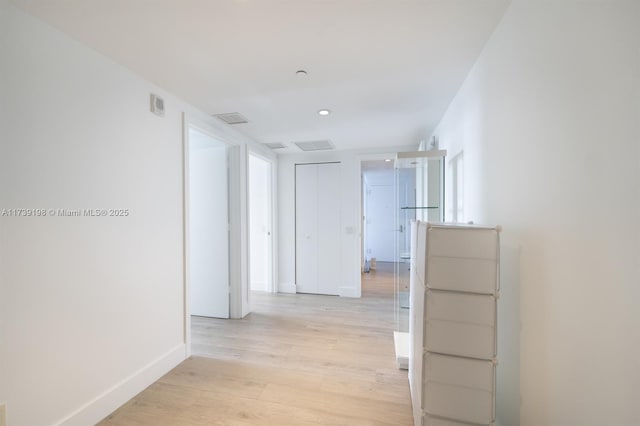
232, 118
315, 145
275, 145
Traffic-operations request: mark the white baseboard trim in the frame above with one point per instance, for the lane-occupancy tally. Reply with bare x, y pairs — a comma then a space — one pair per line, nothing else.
111, 399
348, 292
287, 288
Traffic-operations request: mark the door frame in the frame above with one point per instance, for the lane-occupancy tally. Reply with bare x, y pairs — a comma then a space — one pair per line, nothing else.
358, 219
191, 122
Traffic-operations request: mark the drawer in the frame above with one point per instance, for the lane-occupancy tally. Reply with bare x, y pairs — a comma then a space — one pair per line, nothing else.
460, 324
464, 242
462, 274
459, 388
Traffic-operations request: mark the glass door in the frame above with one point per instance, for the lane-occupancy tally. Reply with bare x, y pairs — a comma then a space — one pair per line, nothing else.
419, 196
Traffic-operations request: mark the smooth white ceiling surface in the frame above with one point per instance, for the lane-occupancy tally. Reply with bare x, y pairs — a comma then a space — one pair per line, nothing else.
387, 69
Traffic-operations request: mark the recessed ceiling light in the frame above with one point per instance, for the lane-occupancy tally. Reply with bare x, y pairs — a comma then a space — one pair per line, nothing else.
301, 72
324, 112
387, 160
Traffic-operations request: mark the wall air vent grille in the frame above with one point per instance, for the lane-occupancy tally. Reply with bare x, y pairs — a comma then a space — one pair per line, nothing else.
232, 118
315, 145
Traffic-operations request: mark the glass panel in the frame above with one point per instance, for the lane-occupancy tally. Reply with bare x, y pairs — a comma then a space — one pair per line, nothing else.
419, 196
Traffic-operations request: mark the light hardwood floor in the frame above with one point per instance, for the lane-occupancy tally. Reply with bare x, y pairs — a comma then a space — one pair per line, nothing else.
296, 360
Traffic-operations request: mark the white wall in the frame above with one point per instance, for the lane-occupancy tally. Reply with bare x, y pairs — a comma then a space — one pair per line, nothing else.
259, 218
548, 122
350, 216
92, 307
78, 307
4, 123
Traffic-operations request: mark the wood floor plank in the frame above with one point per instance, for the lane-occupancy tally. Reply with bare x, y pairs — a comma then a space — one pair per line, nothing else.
295, 360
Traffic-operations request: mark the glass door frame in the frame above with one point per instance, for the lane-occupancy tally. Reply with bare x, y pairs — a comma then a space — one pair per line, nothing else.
429, 187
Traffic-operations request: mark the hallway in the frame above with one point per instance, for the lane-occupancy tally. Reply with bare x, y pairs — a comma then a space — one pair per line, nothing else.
296, 360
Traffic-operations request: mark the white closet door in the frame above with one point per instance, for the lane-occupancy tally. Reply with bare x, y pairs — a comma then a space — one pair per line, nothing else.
318, 247
329, 247
306, 228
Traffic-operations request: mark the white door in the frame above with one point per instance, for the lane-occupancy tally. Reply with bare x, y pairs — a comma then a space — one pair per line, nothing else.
318, 245
208, 226
380, 217
260, 257
329, 235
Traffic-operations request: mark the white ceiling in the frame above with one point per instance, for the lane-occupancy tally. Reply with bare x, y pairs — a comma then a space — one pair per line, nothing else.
387, 69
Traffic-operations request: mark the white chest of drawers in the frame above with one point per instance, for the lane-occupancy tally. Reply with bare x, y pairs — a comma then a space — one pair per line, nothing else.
453, 324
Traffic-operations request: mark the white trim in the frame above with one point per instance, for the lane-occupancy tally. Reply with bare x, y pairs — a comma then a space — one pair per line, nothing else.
274, 227
260, 153
110, 400
237, 248
287, 288
244, 293
185, 237
214, 128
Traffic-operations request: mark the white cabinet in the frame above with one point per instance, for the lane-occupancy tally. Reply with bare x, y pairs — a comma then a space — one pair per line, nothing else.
318, 236
454, 292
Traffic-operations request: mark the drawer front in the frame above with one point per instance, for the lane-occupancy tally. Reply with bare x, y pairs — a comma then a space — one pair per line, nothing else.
462, 274
460, 324
459, 388
468, 243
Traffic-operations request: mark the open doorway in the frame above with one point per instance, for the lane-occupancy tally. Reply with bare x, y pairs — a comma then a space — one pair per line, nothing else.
378, 182
260, 224
206, 225
387, 195
378, 227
